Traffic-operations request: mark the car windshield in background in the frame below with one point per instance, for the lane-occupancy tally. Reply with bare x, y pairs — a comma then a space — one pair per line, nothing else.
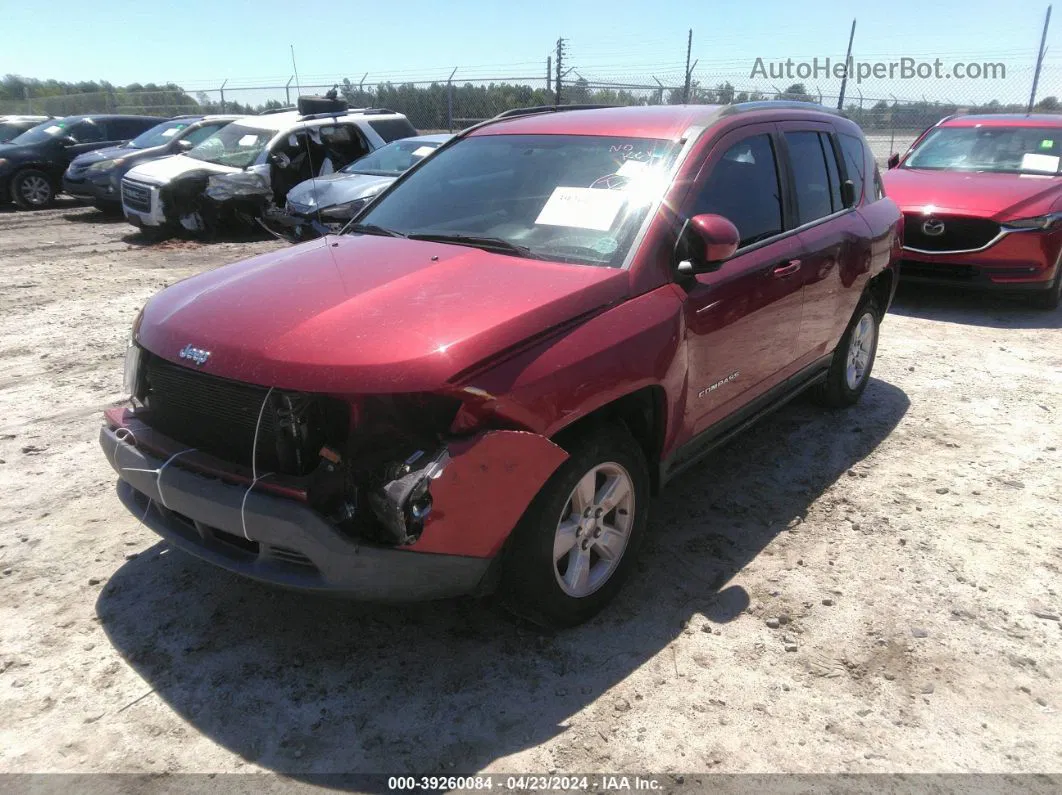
568, 198
1028, 150
159, 135
42, 132
393, 159
235, 145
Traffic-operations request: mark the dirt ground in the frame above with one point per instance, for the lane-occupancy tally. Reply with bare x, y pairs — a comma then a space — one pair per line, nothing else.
876, 590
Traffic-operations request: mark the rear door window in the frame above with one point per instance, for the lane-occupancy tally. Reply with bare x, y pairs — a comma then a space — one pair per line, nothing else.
87, 132
393, 129
816, 195
743, 187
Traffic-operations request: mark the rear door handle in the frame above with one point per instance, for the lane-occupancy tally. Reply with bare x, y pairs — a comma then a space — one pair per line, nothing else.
786, 269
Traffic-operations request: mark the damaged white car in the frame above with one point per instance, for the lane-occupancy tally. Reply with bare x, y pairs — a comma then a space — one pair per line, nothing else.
248, 167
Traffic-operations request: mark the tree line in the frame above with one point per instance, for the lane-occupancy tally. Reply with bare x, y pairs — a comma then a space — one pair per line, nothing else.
440, 106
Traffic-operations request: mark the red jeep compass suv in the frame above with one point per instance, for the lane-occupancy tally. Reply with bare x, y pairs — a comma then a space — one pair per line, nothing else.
982, 199
480, 384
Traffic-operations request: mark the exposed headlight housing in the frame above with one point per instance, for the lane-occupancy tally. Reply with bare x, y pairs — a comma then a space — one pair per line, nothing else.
1044, 222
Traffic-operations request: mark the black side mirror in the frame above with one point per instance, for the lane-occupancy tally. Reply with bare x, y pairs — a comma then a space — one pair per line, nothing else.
706, 241
893, 161
66, 140
848, 197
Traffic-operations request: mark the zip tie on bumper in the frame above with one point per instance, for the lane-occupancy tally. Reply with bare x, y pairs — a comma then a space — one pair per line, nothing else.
157, 472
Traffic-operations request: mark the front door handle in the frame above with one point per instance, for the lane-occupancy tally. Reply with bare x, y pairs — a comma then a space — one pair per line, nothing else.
786, 269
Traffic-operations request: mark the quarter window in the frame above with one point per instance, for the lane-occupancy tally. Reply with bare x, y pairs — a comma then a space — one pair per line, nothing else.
854, 161
393, 129
743, 188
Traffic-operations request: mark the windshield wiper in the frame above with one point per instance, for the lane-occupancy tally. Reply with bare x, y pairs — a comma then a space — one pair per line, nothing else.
477, 241
373, 229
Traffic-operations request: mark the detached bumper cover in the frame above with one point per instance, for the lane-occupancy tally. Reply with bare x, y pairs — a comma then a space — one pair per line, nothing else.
480, 495
291, 547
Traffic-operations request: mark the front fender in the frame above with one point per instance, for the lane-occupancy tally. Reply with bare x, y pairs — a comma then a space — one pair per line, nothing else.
484, 490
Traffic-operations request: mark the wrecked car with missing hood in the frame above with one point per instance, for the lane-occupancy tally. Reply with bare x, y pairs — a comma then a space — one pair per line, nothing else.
249, 166
325, 204
478, 386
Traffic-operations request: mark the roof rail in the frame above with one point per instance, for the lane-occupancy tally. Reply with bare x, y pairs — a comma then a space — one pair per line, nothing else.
508, 114
375, 111
188, 116
270, 111
776, 104
332, 114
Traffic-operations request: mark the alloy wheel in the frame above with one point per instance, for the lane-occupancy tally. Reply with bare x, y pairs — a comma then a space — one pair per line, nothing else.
593, 529
35, 190
860, 350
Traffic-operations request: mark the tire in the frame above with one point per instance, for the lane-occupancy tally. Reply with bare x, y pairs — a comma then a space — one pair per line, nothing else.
32, 190
543, 588
850, 369
1051, 298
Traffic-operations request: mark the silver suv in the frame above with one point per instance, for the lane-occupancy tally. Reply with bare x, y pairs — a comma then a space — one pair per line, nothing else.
250, 165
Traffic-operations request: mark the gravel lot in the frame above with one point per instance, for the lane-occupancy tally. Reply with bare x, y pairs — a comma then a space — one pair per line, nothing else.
876, 590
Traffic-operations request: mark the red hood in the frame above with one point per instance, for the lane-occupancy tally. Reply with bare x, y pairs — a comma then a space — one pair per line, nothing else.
1001, 197
368, 314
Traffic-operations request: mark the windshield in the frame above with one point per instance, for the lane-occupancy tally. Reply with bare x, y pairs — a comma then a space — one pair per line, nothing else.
42, 132
393, 159
236, 145
569, 198
1034, 150
158, 135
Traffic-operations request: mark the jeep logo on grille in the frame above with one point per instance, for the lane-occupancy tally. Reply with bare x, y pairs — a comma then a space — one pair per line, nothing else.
934, 227
197, 355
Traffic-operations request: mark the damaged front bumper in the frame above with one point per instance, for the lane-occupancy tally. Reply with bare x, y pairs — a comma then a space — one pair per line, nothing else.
450, 517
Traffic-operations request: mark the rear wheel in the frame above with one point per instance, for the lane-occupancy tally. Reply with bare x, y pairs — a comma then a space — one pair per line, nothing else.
1050, 298
32, 190
577, 542
853, 358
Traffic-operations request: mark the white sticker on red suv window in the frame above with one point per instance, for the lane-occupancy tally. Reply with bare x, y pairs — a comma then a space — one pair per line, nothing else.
582, 208
632, 168
1037, 162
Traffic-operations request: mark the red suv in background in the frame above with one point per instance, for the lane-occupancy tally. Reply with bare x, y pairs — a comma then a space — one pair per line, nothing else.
480, 384
982, 201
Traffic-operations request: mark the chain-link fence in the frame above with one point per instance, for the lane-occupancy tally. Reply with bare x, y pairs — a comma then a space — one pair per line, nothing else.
890, 123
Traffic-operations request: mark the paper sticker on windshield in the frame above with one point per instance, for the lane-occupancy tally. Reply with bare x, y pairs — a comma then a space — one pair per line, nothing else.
1047, 143
171, 132
248, 140
53, 129
423, 151
632, 168
1043, 163
582, 208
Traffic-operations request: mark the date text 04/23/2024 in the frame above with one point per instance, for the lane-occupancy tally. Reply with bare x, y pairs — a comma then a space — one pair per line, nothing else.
525, 783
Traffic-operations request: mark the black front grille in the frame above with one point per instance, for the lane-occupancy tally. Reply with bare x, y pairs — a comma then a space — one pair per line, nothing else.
136, 195
956, 233
220, 416
937, 270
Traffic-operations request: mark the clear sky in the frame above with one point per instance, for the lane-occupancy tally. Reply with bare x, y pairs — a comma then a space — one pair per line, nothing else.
200, 43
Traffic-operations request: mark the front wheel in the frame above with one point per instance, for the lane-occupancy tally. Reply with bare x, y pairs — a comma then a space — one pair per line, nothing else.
32, 190
853, 358
577, 542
